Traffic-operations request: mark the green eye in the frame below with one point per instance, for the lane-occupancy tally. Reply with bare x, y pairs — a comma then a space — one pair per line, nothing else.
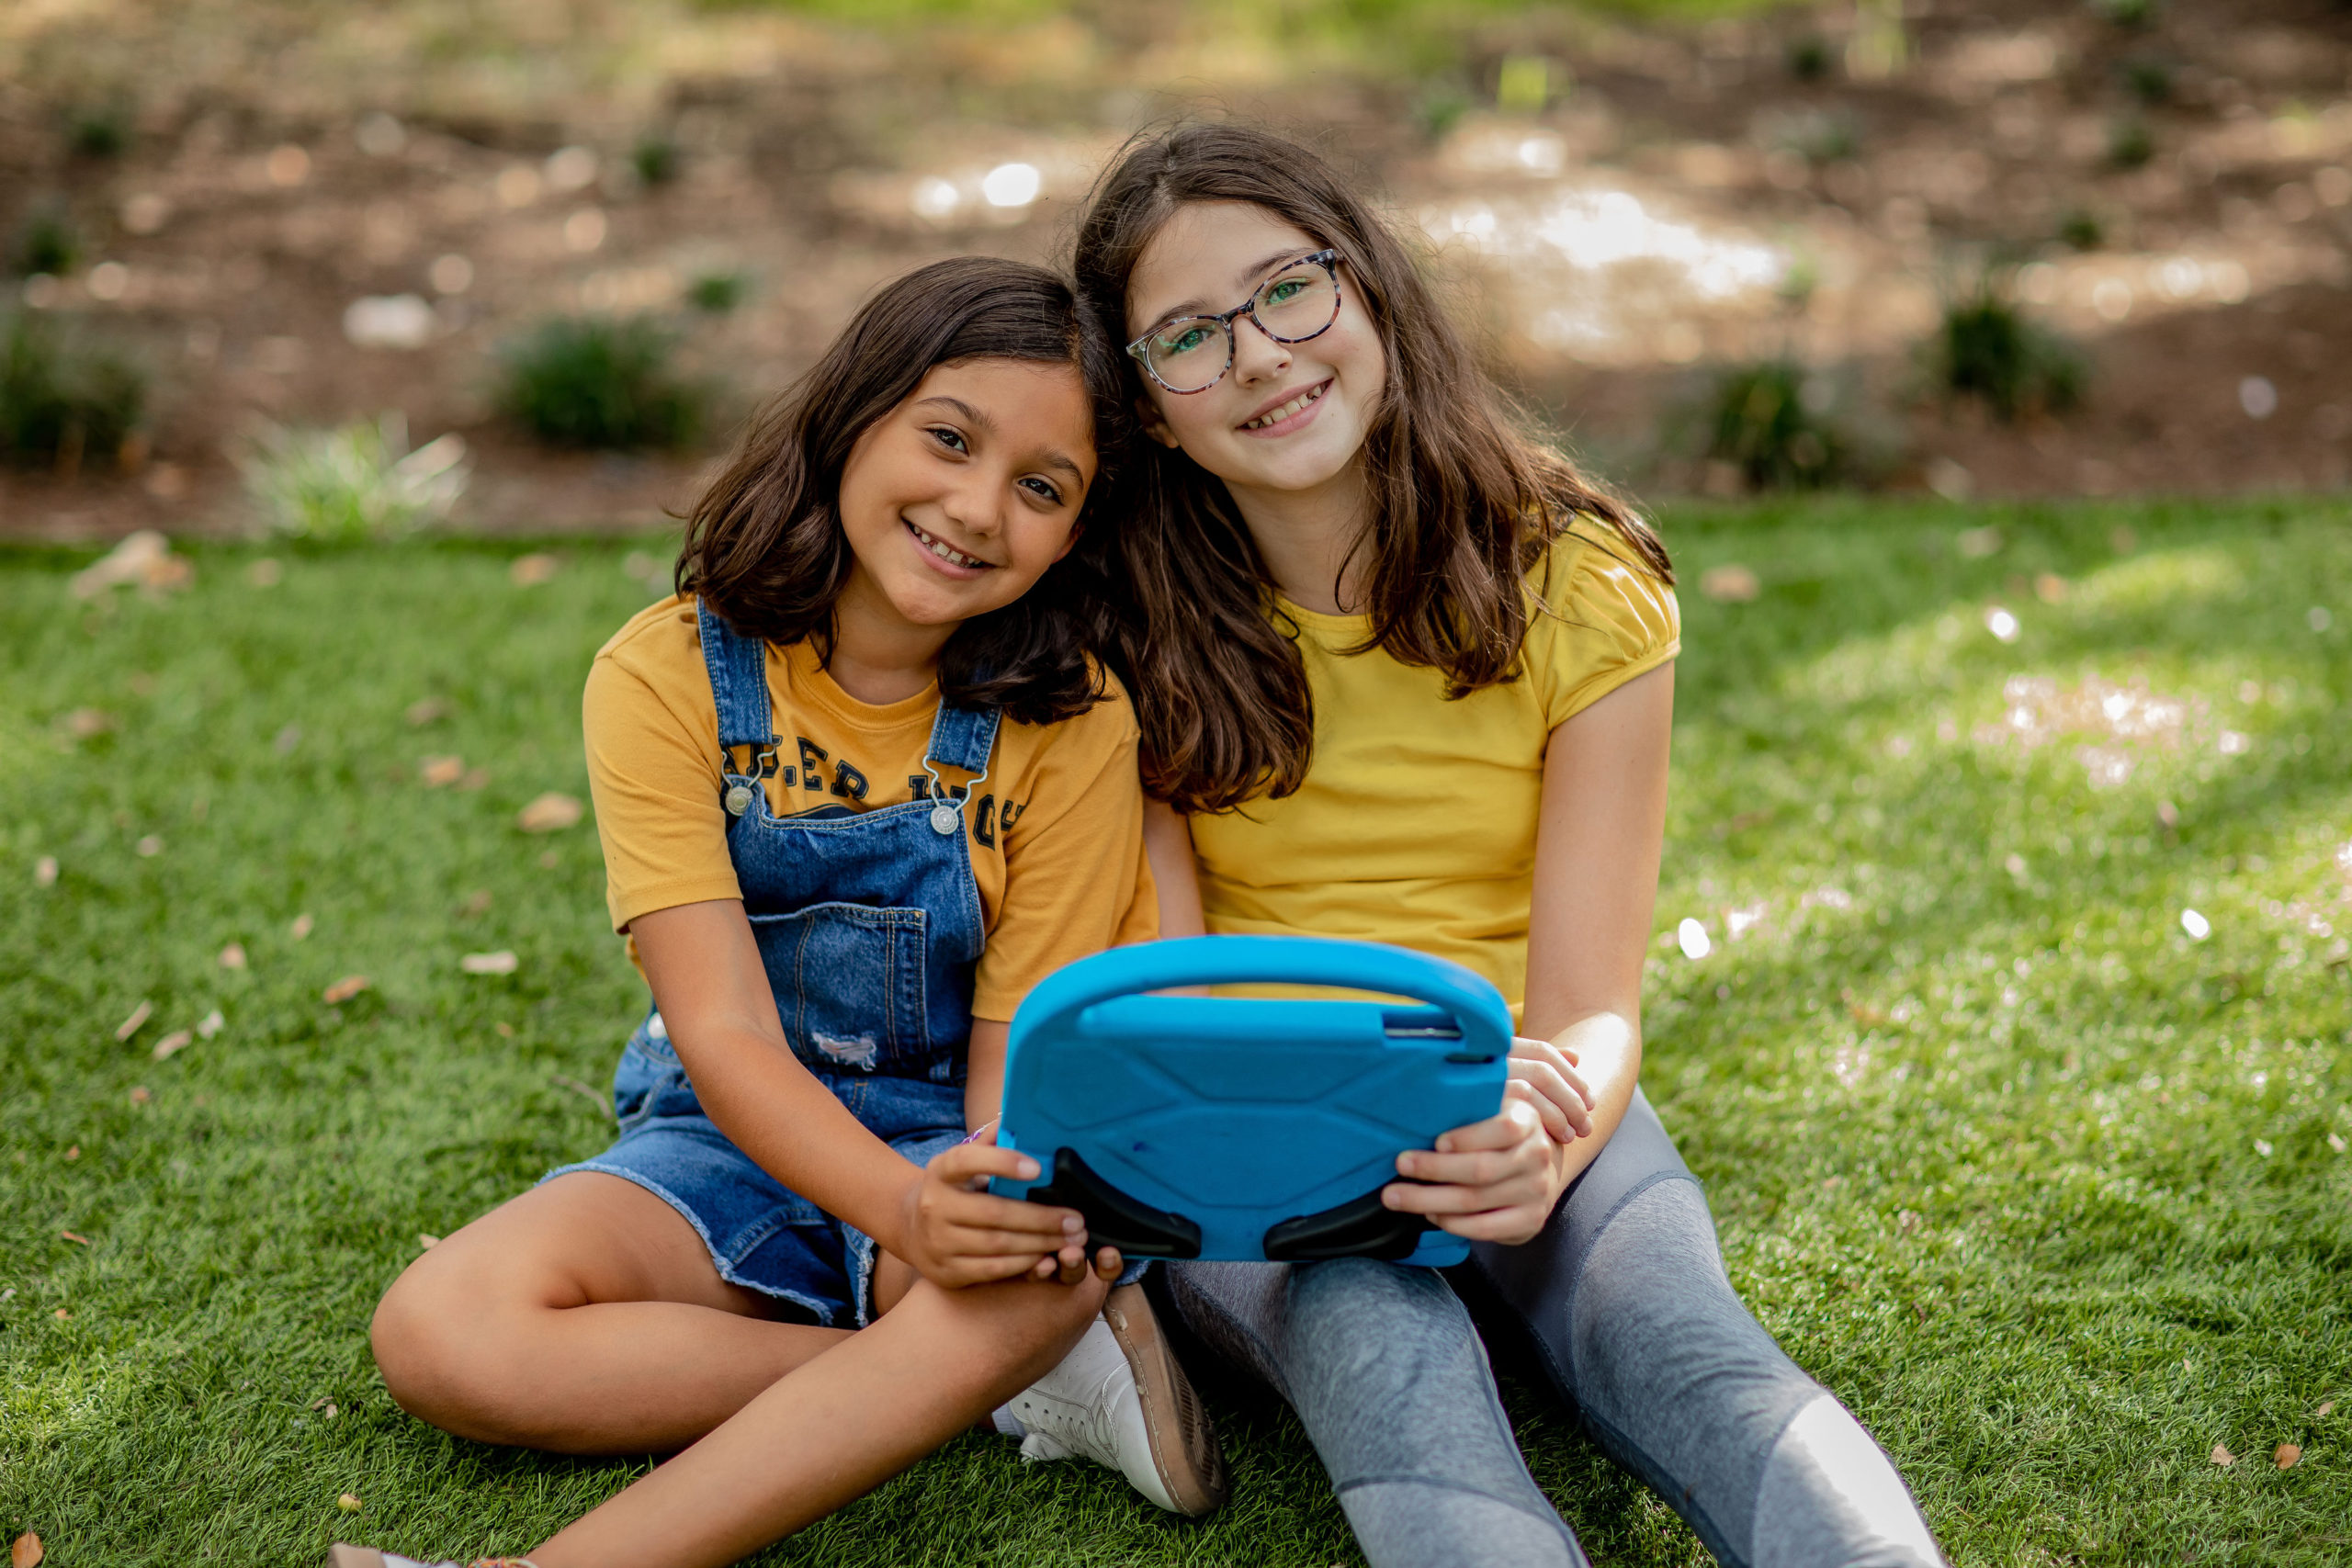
1283, 290
1184, 342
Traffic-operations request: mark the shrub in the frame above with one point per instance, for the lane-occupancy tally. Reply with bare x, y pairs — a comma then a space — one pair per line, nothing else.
595, 382
45, 242
2130, 143
655, 159
1987, 348
717, 293
99, 130
1809, 57
62, 403
1771, 421
2127, 13
354, 484
2081, 230
2150, 81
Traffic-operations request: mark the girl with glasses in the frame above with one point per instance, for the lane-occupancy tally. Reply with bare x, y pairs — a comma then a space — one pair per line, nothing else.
1405, 675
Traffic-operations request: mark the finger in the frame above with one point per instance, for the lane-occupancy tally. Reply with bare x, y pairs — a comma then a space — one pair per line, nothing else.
979, 1211
983, 1271
1108, 1263
962, 1162
1482, 1168
1556, 1093
1507, 1126
1528, 1044
962, 1241
1556, 1121
1435, 1198
1561, 1062
1512, 1226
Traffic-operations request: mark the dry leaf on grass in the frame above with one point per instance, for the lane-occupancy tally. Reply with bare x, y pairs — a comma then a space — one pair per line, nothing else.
425, 710
529, 571
210, 1024
499, 963
83, 723
73, 1151
265, 573
287, 738
78, 1240
438, 771
2286, 1455
25, 1551
477, 903
1730, 584
428, 1240
144, 559
61, 1314
2221, 1456
300, 927
138, 1015
45, 871
140, 1094
2324, 1410
343, 990
549, 813
348, 1503
174, 1040
233, 956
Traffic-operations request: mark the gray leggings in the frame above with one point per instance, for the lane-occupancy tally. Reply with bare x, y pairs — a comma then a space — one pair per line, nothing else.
1625, 1299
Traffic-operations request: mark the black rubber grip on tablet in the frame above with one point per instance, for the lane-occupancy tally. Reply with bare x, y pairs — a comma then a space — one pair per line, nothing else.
1114, 1219
1363, 1227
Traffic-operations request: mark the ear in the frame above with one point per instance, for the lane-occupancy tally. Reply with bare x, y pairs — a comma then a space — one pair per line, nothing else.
1071, 543
1147, 416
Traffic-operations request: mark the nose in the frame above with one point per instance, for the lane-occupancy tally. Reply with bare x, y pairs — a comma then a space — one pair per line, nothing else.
973, 503
1255, 355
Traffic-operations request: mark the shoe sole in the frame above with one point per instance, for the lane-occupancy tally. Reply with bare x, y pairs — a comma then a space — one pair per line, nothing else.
1183, 1441
342, 1556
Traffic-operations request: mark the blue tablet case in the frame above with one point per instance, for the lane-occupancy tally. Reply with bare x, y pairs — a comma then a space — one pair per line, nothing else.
1249, 1128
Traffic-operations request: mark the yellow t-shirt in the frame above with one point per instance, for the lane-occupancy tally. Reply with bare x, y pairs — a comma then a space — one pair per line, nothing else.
1056, 831
1416, 821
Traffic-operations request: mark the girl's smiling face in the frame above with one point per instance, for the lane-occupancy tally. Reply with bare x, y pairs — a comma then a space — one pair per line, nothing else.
956, 501
1286, 417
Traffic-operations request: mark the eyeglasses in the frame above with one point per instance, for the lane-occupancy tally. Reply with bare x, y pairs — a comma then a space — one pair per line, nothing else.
1191, 354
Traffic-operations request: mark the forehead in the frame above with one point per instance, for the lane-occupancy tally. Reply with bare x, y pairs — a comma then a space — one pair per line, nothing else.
1207, 255
1033, 406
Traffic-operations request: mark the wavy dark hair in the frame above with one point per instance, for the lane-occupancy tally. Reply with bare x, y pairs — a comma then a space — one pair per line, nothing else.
1466, 501
764, 545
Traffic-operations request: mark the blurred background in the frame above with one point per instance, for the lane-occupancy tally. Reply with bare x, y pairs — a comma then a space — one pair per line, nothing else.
347, 269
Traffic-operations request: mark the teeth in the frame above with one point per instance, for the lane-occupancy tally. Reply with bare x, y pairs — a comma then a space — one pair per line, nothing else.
941, 548
1277, 415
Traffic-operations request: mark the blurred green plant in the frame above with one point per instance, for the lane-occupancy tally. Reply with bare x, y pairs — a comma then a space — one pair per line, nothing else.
597, 381
1771, 421
2081, 230
1809, 57
1988, 348
1819, 137
2127, 13
354, 484
717, 293
99, 130
46, 240
2148, 80
1439, 107
63, 402
2130, 142
655, 158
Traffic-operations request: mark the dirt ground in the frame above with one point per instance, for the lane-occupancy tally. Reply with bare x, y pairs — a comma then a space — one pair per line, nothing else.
1667, 200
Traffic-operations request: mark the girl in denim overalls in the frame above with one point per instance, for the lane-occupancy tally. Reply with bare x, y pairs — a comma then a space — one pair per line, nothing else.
786, 1259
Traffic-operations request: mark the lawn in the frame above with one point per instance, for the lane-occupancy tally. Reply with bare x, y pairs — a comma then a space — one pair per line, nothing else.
2054, 1193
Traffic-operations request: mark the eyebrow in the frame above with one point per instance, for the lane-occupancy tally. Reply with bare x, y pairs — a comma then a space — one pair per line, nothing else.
1197, 306
974, 417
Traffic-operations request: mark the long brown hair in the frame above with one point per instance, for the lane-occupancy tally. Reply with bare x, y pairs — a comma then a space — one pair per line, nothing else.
1464, 503
763, 544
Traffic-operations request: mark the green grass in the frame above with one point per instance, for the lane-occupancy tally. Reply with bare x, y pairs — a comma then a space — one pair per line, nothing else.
2129, 1236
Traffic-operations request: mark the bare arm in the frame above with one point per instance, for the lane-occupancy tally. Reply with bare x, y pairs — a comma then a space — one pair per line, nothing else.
1168, 845
1597, 849
705, 968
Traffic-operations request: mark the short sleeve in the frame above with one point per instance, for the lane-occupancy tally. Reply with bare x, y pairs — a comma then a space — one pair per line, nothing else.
1605, 619
653, 774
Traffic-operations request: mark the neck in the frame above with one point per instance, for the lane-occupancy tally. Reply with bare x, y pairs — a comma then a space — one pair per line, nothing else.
879, 657
1305, 537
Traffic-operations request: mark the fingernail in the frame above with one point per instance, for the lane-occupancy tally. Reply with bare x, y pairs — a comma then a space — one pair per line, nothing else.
1072, 1224
1025, 1168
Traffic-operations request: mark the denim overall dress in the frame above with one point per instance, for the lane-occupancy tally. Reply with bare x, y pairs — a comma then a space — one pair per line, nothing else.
868, 925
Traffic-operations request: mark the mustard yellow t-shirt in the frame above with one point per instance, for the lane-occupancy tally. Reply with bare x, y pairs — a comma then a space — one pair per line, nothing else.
1056, 831
1416, 821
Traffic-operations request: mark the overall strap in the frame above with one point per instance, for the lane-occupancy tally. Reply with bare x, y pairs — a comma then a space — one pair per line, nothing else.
739, 681
962, 738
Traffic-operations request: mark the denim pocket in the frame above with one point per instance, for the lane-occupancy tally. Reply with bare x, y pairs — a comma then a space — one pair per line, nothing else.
649, 1081
852, 975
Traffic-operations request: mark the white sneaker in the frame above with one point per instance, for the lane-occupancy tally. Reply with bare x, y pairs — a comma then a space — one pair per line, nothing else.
1120, 1398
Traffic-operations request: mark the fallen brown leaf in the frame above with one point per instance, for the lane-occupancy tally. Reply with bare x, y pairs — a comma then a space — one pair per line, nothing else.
174, 1040
477, 903
75, 1238
500, 963
343, 990
1730, 583
475, 778
233, 956
2222, 1457
73, 1151
2050, 588
2326, 1409
265, 573
529, 571
2286, 1455
45, 871
428, 1240
348, 1503
144, 557
25, 1551
210, 1024
83, 723
61, 1314
505, 1030
549, 813
138, 1015
425, 710
330, 1412
438, 771
300, 927
550, 860
141, 1094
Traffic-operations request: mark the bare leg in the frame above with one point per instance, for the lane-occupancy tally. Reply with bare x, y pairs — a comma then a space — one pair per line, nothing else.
836, 1428
583, 1317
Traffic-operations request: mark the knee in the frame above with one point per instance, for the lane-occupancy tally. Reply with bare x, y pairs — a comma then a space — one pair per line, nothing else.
441, 1352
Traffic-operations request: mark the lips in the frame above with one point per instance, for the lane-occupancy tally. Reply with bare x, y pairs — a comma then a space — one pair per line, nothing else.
945, 551
1283, 410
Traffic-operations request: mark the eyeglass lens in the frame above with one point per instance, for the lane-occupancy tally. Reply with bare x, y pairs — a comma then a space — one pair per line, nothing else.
1294, 305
